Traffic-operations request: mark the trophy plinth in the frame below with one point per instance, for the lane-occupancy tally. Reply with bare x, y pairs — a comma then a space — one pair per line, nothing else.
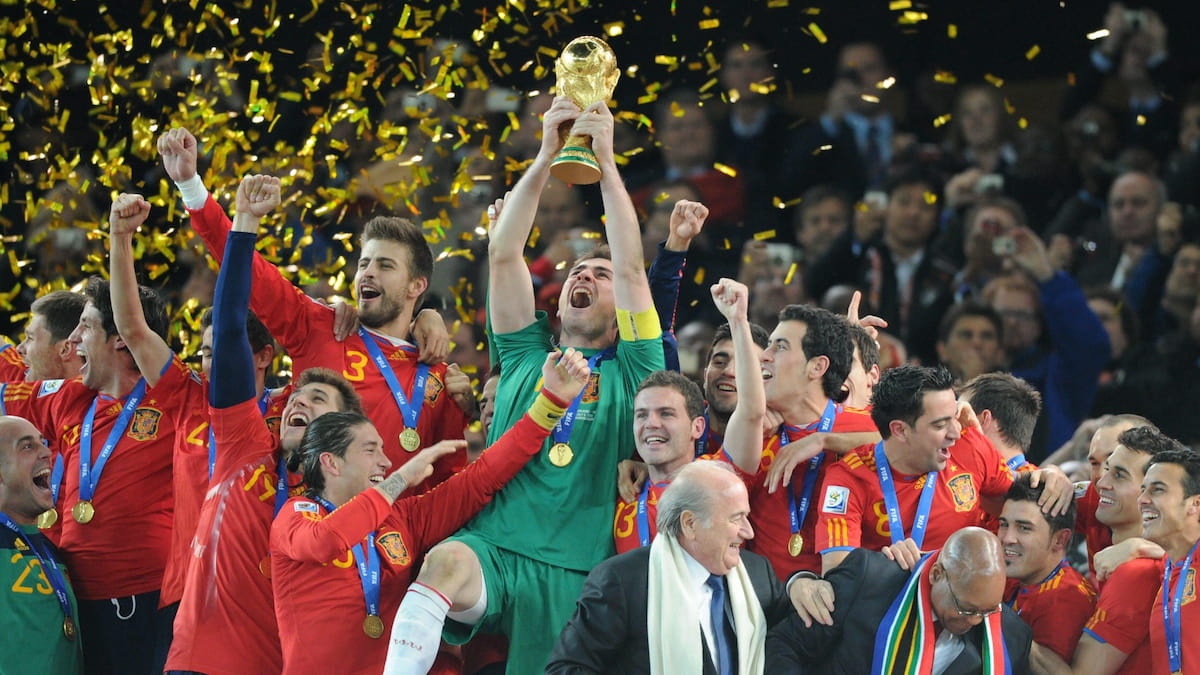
586, 72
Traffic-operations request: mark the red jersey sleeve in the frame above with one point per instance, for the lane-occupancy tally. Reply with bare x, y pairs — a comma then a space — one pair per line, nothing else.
242, 436
41, 402
1122, 615
843, 501
439, 513
12, 366
994, 476
285, 310
1058, 617
302, 533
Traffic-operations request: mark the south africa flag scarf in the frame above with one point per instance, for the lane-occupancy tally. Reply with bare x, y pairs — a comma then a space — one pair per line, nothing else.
904, 642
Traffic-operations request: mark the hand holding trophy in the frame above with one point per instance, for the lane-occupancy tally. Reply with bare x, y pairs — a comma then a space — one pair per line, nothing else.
586, 72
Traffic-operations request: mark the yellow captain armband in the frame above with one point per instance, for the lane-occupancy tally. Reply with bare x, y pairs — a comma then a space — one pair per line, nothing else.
640, 326
545, 412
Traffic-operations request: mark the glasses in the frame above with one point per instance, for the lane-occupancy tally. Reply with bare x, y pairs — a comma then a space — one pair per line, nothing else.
981, 613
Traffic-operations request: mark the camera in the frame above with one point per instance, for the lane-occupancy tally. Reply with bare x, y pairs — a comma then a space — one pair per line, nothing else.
1004, 246
990, 182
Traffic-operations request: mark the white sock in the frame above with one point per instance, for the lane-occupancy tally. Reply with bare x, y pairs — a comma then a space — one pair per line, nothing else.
416, 631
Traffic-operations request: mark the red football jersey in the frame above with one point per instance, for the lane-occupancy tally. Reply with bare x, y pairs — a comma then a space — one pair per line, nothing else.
853, 513
770, 514
1123, 612
626, 529
12, 366
304, 328
123, 550
318, 595
1189, 616
1056, 609
226, 620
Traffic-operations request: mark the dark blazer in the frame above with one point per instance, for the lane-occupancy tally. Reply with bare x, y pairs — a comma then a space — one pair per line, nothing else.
864, 586
607, 634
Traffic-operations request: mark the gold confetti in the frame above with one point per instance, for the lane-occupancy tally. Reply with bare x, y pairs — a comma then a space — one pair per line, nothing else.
1032, 52
765, 234
817, 33
951, 31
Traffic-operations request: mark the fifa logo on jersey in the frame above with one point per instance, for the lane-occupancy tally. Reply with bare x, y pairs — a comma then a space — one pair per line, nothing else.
592, 393
962, 488
144, 426
394, 548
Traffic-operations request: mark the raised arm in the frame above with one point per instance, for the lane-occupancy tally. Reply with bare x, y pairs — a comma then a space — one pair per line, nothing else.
149, 350
232, 375
743, 434
630, 286
510, 287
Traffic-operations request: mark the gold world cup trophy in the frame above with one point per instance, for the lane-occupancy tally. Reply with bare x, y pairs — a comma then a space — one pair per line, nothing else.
586, 73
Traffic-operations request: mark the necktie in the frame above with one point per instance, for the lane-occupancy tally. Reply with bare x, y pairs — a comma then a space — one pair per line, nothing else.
716, 610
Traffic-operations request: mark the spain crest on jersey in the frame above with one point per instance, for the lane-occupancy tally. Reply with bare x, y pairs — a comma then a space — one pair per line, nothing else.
592, 393
1189, 590
273, 423
144, 426
395, 550
962, 488
433, 387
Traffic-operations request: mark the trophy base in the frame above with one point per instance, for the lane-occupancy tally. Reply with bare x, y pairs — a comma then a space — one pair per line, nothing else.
576, 165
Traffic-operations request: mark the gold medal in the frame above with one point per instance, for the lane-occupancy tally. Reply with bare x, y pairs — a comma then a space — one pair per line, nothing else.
373, 626
561, 454
410, 440
83, 512
264, 566
47, 519
69, 629
795, 544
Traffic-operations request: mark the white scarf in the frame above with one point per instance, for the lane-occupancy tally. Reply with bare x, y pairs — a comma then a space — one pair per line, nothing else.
675, 644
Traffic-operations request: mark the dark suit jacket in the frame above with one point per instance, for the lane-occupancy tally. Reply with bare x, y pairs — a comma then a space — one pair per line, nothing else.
607, 634
864, 586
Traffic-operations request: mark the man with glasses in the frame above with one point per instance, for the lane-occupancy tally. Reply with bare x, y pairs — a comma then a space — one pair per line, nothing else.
945, 616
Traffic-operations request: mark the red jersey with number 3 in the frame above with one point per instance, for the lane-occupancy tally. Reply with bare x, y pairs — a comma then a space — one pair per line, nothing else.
305, 328
853, 513
770, 514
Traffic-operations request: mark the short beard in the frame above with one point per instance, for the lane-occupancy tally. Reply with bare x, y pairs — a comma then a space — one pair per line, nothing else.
383, 317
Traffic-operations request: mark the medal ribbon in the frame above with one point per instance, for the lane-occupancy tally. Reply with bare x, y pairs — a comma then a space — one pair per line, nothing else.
410, 406
702, 442
562, 430
56, 477
888, 487
1014, 464
263, 402
1172, 622
643, 514
367, 562
281, 484
89, 476
49, 565
797, 512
